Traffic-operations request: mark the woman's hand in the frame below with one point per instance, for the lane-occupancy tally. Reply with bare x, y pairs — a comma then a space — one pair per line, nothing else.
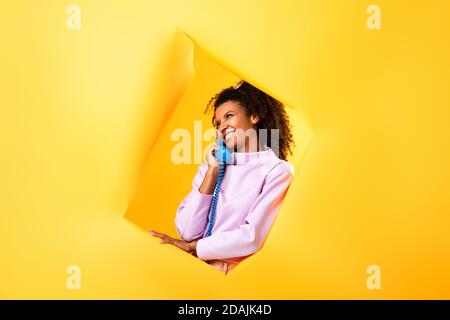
189, 247
211, 159
211, 175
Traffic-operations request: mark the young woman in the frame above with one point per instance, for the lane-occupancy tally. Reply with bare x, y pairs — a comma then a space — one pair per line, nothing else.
254, 183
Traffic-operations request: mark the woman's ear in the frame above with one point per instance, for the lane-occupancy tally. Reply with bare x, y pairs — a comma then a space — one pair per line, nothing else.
254, 118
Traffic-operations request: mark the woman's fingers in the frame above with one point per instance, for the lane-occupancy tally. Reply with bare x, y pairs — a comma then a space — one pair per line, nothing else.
156, 234
164, 241
164, 237
168, 239
210, 155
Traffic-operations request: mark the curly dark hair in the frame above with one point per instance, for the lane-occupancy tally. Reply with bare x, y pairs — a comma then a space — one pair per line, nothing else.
271, 112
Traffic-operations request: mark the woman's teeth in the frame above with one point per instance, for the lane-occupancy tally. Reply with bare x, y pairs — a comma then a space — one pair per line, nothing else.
229, 134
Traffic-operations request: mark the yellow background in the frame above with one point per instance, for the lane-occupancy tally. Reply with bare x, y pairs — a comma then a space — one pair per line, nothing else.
81, 110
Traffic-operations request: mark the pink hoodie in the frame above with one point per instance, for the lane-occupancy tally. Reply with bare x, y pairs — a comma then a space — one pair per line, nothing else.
250, 196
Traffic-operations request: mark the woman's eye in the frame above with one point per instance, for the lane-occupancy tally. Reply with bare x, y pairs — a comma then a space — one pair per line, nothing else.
229, 115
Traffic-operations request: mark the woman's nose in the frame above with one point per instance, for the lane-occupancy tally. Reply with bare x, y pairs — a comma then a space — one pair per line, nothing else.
222, 128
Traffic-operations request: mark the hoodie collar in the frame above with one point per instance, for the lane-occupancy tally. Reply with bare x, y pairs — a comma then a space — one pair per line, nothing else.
265, 155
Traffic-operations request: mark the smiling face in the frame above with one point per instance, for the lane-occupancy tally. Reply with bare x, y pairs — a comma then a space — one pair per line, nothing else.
233, 124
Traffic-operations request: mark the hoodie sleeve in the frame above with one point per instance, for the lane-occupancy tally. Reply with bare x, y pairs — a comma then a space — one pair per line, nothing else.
192, 213
250, 236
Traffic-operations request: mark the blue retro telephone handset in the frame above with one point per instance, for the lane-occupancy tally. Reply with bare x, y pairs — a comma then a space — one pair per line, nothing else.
223, 156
